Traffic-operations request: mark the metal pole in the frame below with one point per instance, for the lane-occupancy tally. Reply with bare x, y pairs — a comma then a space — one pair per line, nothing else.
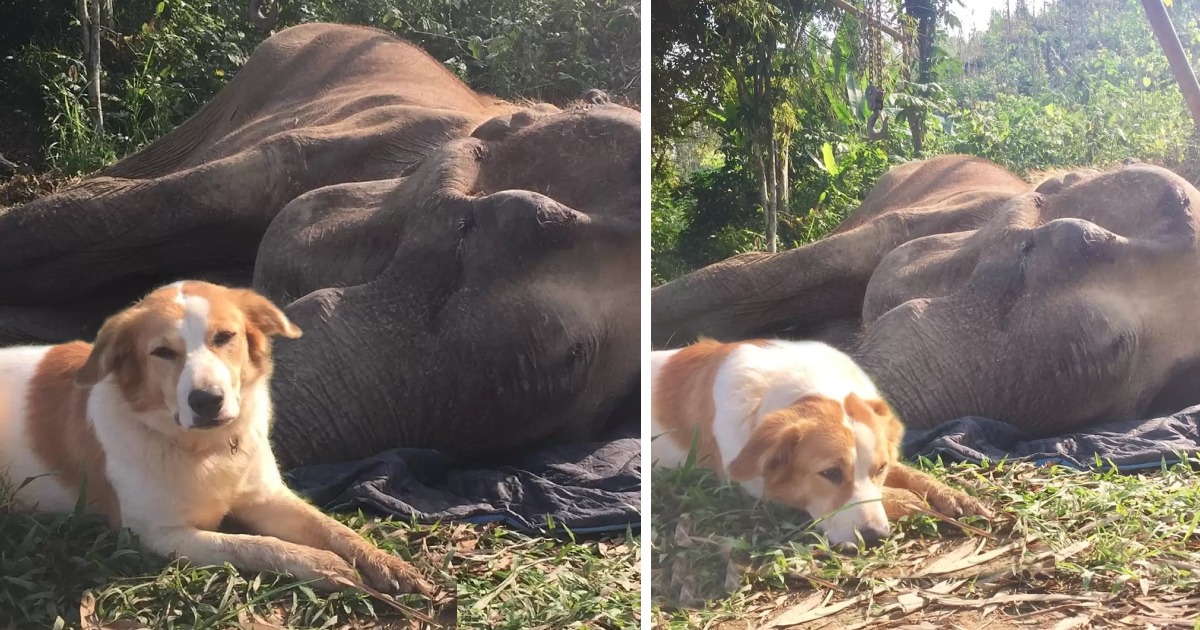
1160, 22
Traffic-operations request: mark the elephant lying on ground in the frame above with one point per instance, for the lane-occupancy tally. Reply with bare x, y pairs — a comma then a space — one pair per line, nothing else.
465, 270
964, 290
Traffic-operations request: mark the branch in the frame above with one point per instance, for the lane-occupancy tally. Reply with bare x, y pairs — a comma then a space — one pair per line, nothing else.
846, 6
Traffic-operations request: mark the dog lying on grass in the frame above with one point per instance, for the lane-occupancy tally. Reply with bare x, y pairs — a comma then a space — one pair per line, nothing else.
161, 426
798, 423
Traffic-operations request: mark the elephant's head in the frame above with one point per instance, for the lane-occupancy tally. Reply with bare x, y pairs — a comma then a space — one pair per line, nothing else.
493, 291
1088, 284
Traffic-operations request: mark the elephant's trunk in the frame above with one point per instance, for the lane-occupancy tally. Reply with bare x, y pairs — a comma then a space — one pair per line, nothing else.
917, 404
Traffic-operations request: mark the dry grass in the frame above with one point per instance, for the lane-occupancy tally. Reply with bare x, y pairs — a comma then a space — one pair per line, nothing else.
23, 187
73, 571
1071, 549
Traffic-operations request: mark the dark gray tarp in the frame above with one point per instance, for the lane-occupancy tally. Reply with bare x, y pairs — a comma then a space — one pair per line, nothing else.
592, 487
1129, 445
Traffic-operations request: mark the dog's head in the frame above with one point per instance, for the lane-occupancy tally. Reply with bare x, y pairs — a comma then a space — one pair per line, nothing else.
191, 348
828, 458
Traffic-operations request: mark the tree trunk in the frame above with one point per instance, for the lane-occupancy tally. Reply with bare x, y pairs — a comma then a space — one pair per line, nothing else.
783, 199
773, 193
93, 26
85, 28
764, 195
926, 31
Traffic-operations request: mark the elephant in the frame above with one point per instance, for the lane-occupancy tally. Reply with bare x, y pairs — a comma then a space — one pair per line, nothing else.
465, 270
964, 290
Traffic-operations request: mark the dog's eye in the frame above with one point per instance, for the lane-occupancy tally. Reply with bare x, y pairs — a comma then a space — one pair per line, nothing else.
882, 469
834, 475
164, 352
222, 338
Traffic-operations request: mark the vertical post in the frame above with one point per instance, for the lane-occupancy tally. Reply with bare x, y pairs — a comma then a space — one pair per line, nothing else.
94, 55
1160, 22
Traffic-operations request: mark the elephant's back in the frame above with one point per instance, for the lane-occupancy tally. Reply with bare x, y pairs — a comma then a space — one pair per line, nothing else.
927, 185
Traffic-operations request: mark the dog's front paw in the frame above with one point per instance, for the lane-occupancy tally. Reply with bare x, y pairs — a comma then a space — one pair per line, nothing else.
956, 504
329, 571
389, 574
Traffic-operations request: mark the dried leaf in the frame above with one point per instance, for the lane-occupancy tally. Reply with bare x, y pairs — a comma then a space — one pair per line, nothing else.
799, 609
979, 559
1022, 598
87, 612
1071, 550
812, 615
953, 560
910, 602
683, 531
1073, 623
788, 619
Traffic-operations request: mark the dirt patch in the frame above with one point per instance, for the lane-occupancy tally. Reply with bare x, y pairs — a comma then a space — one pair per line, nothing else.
23, 187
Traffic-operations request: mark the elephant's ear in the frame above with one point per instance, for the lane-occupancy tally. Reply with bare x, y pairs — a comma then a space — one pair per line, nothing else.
265, 316
111, 350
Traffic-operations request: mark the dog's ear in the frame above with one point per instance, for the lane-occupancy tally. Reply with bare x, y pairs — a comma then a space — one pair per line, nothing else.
265, 316
112, 348
878, 412
771, 450
775, 444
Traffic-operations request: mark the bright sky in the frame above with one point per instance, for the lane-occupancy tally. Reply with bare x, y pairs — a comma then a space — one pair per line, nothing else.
976, 13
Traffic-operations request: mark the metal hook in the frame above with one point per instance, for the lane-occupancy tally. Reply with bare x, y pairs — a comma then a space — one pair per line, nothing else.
875, 102
872, 133
264, 13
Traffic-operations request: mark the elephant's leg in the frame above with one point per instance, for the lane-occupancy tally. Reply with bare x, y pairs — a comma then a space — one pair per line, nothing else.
806, 290
106, 230
21, 326
756, 294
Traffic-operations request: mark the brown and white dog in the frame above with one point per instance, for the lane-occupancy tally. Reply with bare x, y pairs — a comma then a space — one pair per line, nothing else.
795, 422
162, 426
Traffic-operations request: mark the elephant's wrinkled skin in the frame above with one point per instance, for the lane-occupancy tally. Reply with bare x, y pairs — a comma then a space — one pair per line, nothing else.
465, 270
966, 291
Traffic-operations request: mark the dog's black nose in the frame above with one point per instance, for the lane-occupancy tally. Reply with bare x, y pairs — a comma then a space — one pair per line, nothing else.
206, 403
873, 536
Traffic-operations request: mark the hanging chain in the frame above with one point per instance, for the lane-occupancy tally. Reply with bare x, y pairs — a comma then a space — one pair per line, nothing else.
873, 43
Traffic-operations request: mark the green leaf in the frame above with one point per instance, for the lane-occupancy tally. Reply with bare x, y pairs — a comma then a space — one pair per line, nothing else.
1146, 80
830, 163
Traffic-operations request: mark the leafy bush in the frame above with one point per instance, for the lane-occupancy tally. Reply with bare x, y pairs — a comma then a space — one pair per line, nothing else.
167, 58
1083, 83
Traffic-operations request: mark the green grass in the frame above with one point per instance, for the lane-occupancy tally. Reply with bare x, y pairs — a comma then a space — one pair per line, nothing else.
1094, 546
510, 581
73, 571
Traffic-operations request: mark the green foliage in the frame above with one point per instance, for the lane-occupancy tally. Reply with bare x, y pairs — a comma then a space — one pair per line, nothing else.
551, 50
167, 58
1083, 83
